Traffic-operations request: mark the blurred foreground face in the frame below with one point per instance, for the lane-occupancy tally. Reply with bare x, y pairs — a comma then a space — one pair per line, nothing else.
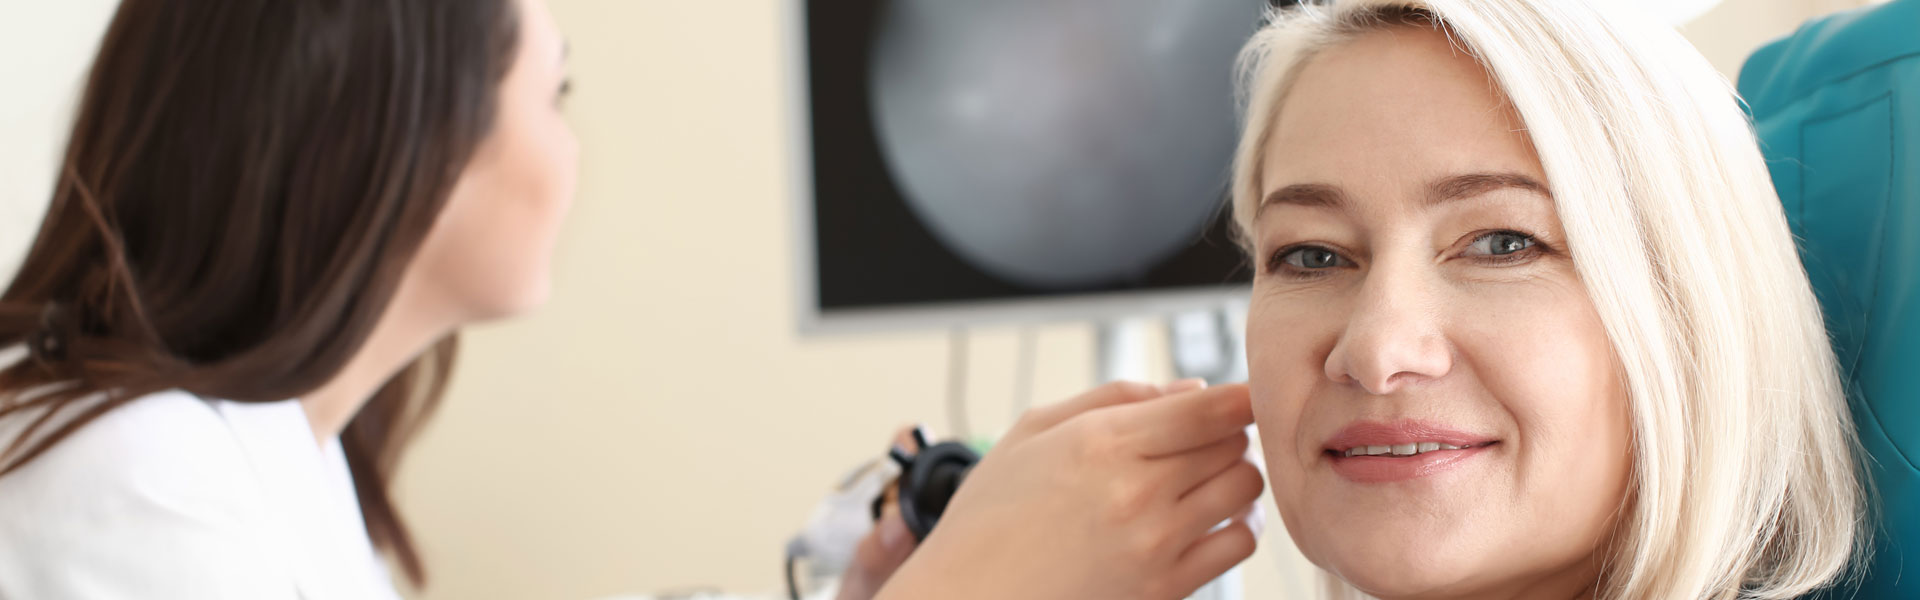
1440, 409
488, 254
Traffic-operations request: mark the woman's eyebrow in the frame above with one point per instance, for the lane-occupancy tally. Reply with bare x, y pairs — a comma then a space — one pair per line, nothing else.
1458, 187
1311, 195
1440, 191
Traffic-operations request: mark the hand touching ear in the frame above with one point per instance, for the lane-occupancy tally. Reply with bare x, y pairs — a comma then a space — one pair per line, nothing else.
1113, 494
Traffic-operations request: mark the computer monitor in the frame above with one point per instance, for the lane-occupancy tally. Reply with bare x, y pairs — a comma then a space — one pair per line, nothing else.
989, 161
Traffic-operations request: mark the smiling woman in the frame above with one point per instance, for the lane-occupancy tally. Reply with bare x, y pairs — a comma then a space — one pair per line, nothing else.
1528, 321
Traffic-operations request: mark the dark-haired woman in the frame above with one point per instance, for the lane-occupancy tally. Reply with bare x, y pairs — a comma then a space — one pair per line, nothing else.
271, 221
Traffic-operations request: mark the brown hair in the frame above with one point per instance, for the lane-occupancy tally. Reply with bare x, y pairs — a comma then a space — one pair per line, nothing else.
245, 184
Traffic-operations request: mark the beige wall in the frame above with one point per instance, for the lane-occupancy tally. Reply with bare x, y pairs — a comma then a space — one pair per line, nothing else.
44, 51
659, 425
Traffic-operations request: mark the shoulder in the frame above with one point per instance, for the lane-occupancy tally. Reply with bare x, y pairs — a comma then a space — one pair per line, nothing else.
169, 441
155, 498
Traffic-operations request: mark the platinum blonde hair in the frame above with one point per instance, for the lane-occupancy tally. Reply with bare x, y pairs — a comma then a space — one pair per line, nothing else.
1744, 479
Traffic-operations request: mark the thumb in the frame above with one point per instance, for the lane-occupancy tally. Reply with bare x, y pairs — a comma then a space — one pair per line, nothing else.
878, 556
893, 540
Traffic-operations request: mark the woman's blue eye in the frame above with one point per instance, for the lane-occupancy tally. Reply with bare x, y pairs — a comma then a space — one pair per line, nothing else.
1501, 243
1310, 258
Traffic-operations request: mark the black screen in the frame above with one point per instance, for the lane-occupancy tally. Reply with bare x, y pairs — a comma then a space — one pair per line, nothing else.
874, 250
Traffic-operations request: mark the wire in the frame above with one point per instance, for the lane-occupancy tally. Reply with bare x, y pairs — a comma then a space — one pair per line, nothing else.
793, 583
957, 383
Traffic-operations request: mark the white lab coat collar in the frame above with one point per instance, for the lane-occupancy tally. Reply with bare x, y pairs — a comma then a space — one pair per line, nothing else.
313, 510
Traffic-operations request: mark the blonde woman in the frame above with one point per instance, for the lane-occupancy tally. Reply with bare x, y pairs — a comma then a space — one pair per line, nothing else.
1527, 320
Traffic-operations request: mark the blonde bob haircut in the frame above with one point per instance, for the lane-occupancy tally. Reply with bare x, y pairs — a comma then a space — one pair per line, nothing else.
1744, 481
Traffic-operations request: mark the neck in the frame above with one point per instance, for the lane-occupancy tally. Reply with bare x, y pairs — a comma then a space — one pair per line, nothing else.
402, 333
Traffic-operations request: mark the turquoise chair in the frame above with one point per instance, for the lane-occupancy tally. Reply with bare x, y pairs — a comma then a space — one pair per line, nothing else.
1837, 108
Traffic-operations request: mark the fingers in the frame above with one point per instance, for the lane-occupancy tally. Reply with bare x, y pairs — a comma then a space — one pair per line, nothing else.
877, 557
1211, 557
1186, 471
1184, 386
1183, 422
889, 545
1254, 518
1223, 497
1046, 417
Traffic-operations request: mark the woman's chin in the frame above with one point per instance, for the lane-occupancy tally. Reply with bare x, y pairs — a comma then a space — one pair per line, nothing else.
1400, 574
1401, 555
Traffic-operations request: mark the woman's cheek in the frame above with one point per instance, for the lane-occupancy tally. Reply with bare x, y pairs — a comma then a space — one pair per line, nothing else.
1283, 371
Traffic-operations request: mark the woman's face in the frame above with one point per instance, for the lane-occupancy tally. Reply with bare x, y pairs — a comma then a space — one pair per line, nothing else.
487, 256
1440, 408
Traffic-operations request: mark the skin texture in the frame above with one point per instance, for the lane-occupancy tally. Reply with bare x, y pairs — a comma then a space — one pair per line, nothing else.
1382, 296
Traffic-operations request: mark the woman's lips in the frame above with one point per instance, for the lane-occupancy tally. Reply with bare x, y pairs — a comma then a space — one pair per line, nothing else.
1383, 452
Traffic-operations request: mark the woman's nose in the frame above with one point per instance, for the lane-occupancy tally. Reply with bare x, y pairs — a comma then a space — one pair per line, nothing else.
1393, 337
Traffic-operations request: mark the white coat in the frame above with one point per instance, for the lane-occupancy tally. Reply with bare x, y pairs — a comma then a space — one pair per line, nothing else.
173, 496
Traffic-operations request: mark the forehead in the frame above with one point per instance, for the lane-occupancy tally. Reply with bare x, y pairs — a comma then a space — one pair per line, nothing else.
539, 32
1391, 110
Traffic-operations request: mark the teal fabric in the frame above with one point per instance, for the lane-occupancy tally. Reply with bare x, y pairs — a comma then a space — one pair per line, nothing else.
1837, 108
